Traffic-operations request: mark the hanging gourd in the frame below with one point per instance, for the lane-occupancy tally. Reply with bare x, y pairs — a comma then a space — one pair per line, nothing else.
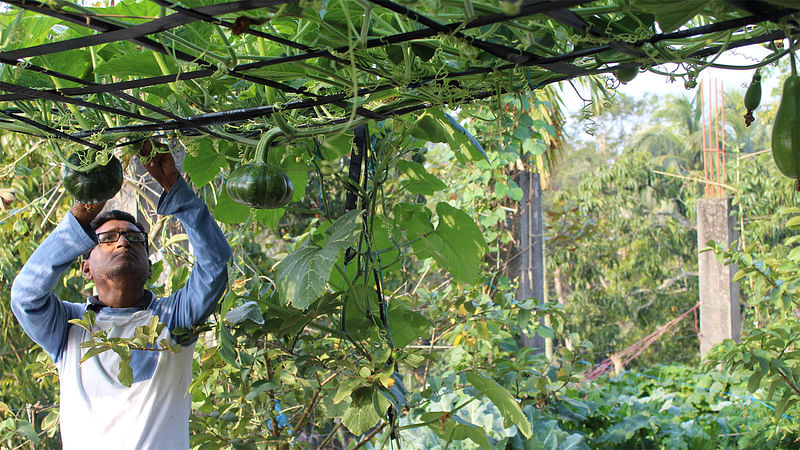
94, 183
785, 128
259, 184
752, 98
626, 74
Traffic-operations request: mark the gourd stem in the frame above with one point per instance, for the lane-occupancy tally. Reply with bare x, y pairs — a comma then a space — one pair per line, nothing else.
83, 169
262, 149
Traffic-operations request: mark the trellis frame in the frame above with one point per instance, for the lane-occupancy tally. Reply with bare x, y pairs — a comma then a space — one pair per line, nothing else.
746, 23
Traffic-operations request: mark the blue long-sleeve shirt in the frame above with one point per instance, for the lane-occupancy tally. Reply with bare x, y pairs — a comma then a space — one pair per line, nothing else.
96, 410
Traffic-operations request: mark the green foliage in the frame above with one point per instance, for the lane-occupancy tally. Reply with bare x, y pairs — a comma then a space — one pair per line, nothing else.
767, 351
302, 276
397, 318
675, 407
144, 338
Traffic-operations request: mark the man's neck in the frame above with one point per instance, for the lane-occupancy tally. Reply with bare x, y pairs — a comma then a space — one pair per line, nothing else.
121, 296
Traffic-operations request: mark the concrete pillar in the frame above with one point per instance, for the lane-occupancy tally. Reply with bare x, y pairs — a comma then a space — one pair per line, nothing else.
720, 316
529, 261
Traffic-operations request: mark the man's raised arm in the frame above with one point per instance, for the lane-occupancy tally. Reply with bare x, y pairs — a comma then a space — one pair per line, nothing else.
192, 304
42, 315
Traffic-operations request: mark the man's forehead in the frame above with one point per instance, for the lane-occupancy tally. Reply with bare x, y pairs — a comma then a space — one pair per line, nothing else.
117, 225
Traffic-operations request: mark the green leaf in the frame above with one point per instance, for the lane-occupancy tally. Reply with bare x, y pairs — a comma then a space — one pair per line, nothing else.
431, 129
29, 432
738, 276
384, 237
406, 325
228, 211
457, 244
346, 388
454, 428
534, 147
227, 345
502, 399
336, 146
260, 388
77, 63
125, 376
95, 351
785, 402
50, 421
419, 181
669, 15
302, 276
395, 54
134, 64
298, 173
365, 411
269, 217
465, 142
793, 223
423, 52
755, 381
246, 311
414, 219
545, 332
206, 165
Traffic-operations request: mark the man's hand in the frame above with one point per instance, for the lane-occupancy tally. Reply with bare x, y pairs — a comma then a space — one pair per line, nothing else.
161, 166
85, 213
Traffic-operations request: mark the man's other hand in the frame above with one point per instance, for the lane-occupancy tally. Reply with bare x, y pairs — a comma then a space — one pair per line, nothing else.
85, 213
161, 166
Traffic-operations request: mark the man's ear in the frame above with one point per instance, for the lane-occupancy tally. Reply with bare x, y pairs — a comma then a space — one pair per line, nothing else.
86, 270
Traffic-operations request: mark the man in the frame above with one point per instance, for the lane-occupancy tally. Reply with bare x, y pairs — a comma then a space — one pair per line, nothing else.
97, 411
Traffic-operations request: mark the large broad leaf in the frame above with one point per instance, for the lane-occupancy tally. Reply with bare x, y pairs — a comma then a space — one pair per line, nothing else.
625, 430
366, 409
385, 240
335, 146
269, 217
429, 128
503, 400
549, 435
453, 428
298, 173
415, 220
436, 126
406, 325
302, 276
670, 15
142, 64
77, 63
228, 211
362, 313
418, 180
247, 311
205, 164
475, 150
457, 244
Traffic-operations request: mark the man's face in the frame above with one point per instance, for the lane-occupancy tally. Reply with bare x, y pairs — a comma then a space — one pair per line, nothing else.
120, 259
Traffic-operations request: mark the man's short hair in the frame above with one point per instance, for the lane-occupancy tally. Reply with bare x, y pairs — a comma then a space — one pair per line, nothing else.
115, 214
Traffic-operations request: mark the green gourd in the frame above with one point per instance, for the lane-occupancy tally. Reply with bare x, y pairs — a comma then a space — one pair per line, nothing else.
786, 131
259, 184
626, 74
94, 185
752, 98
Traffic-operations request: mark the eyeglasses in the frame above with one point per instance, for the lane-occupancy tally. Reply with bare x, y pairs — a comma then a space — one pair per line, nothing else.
109, 237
